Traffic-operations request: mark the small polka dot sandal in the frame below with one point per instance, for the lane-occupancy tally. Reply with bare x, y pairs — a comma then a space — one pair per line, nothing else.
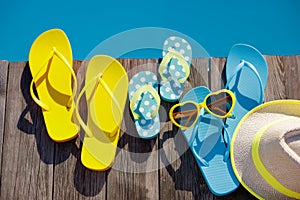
144, 103
174, 68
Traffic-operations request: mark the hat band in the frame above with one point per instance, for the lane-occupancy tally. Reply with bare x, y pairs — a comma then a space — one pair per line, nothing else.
266, 175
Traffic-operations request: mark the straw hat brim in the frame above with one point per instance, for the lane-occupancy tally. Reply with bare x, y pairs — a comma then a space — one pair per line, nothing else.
241, 143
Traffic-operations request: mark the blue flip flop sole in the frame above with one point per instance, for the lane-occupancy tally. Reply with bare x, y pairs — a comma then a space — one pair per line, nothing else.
206, 141
244, 84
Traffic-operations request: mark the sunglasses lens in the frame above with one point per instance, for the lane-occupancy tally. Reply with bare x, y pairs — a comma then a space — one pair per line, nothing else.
219, 104
185, 115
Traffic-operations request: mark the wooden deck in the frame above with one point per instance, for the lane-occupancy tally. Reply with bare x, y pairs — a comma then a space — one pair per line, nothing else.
35, 167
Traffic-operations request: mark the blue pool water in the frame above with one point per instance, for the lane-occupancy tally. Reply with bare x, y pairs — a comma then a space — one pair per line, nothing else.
272, 26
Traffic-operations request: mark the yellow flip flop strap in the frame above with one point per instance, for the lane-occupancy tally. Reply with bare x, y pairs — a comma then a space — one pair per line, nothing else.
263, 171
138, 93
166, 60
97, 79
60, 56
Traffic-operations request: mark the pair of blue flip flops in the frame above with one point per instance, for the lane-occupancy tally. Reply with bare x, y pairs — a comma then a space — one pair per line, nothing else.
246, 76
143, 90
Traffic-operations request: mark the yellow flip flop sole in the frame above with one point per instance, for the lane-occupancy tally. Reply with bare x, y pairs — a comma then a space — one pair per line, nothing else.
50, 62
106, 86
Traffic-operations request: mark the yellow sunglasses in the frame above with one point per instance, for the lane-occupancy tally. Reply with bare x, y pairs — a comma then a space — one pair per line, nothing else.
219, 104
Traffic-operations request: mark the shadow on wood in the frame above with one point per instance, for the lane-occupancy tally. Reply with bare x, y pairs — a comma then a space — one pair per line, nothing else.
186, 176
87, 182
131, 138
183, 171
34, 122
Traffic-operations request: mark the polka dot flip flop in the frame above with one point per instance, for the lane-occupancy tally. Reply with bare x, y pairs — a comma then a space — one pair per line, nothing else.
144, 103
174, 68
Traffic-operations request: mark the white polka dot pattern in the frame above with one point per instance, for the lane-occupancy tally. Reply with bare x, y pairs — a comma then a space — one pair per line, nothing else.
178, 44
172, 89
146, 125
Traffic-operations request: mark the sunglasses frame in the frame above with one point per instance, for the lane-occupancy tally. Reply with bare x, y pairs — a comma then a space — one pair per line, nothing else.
203, 105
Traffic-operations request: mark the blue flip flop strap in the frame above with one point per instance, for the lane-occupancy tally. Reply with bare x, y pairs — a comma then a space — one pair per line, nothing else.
166, 60
201, 160
227, 139
96, 80
138, 93
247, 64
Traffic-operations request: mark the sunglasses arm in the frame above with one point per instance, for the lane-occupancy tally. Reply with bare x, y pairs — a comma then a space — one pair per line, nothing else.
187, 114
220, 101
218, 109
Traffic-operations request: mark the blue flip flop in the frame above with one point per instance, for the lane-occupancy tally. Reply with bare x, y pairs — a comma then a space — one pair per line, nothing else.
246, 77
174, 68
210, 148
144, 103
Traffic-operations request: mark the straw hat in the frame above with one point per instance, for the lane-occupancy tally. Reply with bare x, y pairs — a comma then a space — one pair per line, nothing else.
265, 150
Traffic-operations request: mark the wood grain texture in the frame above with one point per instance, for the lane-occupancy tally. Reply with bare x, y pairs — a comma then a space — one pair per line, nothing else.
180, 176
27, 162
199, 72
128, 178
3, 87
72, 180
34, 167
217, 74
283, 80
291, 65
275, 88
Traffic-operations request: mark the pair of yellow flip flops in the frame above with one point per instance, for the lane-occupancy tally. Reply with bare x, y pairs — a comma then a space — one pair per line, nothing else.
106, 85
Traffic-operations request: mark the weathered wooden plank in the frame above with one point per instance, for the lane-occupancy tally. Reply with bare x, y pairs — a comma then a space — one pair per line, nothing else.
134, 174
217, 74
71, 179
31, 161
180, 176
291, 65
276, 80
27, 162
198, 75
3, 87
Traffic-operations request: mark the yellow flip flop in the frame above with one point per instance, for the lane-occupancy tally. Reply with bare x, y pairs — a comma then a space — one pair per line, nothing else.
106, 86
50, 62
